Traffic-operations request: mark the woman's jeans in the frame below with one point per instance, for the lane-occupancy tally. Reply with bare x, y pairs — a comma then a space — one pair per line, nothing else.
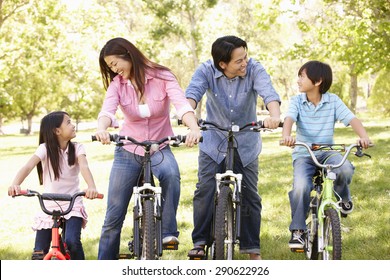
72, 239
203, 203
124, 176
304, 170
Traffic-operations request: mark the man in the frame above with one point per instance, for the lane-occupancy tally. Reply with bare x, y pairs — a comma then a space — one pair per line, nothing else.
232, 83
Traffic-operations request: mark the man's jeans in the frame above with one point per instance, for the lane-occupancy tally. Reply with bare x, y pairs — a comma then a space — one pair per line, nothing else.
123, 177
304, 170
203, 203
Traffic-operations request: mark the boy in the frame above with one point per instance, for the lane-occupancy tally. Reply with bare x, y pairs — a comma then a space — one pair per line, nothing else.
315, 112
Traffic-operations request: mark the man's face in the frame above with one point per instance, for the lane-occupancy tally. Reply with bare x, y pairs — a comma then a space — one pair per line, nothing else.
237, 65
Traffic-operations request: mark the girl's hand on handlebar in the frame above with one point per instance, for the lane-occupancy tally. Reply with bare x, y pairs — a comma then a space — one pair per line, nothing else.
288, 141
103, 136
271, 122
193, 137
14, 190
91, 193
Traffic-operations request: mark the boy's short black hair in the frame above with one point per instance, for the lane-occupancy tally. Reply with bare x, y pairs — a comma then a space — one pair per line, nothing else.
318, 71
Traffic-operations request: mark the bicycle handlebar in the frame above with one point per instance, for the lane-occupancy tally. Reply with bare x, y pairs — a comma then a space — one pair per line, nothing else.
255, 126
55, 197
340, 147
117, 139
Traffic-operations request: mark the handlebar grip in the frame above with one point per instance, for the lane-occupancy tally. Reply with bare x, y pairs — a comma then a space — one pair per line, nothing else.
100, 196
112, 138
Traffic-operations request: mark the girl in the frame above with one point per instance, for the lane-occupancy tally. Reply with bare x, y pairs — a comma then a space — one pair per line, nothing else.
59, 162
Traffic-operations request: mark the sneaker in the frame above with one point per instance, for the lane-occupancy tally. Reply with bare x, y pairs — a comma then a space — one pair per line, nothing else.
170, 240
346, 208
297, 240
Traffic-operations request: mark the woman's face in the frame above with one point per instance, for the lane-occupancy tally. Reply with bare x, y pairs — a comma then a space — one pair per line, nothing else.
119, 65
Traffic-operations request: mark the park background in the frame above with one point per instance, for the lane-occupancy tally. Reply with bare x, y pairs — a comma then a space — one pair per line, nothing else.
49, 60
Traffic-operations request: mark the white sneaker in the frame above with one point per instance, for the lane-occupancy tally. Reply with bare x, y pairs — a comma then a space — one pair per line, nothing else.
170, 240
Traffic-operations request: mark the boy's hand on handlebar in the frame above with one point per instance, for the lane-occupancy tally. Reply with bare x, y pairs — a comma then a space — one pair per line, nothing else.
364, 142
14, 190
288, 141
103, 136
272, 122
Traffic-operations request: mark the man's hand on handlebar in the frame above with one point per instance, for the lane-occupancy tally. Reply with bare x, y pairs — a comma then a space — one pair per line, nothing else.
193, 137
272, 122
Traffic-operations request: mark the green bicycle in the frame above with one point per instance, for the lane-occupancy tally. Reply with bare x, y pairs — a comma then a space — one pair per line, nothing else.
323, 234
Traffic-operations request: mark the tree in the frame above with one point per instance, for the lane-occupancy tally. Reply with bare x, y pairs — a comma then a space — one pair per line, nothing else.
8, 10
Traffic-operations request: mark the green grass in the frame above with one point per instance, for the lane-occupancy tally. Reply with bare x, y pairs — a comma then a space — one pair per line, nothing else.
366, 232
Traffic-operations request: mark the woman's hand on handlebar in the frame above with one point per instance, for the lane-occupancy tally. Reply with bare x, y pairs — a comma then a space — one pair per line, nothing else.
288, 141
103, 136
272, 122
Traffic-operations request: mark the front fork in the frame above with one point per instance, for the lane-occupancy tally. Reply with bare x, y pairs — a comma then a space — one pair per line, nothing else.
235, 180
327, 201
147, 191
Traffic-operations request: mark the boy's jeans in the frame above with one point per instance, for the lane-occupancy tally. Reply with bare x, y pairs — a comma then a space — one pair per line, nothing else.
304, 170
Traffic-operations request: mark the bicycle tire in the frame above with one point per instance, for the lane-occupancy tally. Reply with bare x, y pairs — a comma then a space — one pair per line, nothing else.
224, 225
311, 235
332, 236
148, 231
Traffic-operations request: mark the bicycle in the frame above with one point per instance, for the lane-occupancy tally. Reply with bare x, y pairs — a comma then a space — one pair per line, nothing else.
147, 211
323, 233
226, 221
58, 250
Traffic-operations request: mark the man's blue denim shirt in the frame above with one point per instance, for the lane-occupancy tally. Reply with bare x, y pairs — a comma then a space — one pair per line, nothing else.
231, 102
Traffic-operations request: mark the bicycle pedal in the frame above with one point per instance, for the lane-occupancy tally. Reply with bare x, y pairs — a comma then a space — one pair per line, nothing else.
125, 256
297, 250
200, 258
170, 246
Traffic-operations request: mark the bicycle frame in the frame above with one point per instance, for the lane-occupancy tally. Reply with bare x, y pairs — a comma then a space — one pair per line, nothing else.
326, 198
144, 191
233, 181
55, 252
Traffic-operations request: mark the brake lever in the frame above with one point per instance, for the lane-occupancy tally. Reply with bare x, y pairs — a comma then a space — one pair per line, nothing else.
359, 153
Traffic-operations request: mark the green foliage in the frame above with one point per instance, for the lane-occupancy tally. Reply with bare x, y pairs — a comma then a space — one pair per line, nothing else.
379, 101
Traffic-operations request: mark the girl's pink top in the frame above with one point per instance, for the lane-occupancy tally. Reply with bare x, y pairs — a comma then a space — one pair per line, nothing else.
68, 183
160, 93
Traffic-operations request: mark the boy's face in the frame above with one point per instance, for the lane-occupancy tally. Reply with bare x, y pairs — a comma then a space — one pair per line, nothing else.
304, 83
237, 65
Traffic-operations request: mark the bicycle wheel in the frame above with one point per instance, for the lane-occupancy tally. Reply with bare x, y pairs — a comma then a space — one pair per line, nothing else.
332, 236
224, 225
148, 231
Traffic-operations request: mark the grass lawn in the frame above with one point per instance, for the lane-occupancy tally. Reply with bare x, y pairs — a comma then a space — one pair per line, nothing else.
366, 232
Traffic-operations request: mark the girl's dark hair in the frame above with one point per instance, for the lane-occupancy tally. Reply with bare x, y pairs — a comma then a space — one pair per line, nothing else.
318, 71
222, 49
124, 49
47, 134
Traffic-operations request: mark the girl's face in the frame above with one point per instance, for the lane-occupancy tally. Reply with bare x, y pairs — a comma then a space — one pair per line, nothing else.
67, 130
304, 83
119, 65
237, 65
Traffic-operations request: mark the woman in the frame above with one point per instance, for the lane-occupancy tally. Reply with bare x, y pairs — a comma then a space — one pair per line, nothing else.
143, 90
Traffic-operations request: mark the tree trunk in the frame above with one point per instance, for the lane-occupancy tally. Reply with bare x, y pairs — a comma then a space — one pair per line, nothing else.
353, 92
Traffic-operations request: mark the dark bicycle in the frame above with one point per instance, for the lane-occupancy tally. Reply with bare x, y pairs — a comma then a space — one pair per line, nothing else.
227, 204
